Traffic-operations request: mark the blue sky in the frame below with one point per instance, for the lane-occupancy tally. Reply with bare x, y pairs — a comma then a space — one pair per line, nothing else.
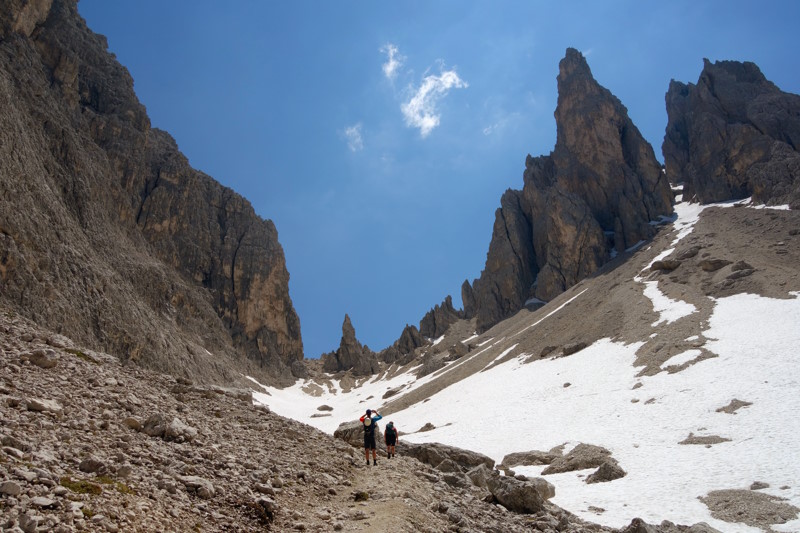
379, 136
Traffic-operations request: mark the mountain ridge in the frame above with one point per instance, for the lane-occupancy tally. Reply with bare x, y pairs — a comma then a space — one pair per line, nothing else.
110, 234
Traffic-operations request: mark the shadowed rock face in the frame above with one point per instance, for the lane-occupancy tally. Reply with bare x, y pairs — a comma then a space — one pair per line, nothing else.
436, 321
351, 355
596, 192
108, 234
733, 135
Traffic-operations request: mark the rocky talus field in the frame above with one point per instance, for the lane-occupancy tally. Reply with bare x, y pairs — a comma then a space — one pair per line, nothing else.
91, 445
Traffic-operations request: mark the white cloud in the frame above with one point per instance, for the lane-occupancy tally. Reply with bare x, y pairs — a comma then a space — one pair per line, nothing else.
420, 111
393, 60
501, 123
355, 141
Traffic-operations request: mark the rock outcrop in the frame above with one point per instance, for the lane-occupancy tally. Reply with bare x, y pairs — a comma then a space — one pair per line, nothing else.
733, 135
436, 321
106, 232
595, 194
404, 349
351, 355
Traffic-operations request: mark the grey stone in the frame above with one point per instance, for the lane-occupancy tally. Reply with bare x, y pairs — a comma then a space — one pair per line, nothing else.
44, 503
196, 484
92, 465
179, 431
11, 488
515, 495
581, 457
43, 358
43, 405
608, 471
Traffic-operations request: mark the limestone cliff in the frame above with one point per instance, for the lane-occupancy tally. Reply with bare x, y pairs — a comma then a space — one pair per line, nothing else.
733, 135
597, 192
108, 234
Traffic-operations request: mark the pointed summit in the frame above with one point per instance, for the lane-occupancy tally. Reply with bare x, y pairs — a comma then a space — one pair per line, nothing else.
573, 64
351, 354
595, 194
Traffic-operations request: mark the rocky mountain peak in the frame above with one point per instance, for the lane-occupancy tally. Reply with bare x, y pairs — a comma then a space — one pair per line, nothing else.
597, 192
573, 64
351, 354
733, 135
436, 321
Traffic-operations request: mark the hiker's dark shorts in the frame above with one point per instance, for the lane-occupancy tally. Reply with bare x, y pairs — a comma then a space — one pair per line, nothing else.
390, 441
369, 442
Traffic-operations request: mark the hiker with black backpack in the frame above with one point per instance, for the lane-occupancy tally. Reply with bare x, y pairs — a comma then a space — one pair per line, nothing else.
370, 423
390, 438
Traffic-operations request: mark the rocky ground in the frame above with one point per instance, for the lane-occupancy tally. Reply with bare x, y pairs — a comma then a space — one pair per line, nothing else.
90, 444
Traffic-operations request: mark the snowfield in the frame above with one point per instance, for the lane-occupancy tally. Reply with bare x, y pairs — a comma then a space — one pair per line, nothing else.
594, 396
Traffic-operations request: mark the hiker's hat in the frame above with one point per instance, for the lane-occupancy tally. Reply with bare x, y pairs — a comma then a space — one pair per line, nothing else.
369, 411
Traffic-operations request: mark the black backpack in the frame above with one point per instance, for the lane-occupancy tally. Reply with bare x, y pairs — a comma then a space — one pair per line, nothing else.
391, 432
369, 430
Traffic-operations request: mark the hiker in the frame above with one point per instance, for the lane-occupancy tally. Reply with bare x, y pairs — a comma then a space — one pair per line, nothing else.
390, 438
369, 422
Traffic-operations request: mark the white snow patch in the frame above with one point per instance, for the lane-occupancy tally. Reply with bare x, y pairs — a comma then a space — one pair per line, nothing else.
669, 310
664, 478
502, 354
474, 336
757, 361
775, 207
683, 357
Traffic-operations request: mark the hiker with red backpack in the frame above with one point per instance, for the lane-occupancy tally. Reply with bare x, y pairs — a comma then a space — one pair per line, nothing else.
370, 423
390, 438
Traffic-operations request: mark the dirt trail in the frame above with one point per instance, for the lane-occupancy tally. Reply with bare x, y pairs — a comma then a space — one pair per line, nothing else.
397, 499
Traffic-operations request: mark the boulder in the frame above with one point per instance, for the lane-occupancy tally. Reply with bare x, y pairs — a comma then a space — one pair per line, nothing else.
667, 265
170, 429
448, 465
515, 495
545, 489
198, 485
712, 265
42, 405
10, 488
480, 475
179, 431
533, 457
92, 465
581, 457
430, 363
155, 425
608, 471
43, 358
353, 434
573, 348
434, 453
457, 351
